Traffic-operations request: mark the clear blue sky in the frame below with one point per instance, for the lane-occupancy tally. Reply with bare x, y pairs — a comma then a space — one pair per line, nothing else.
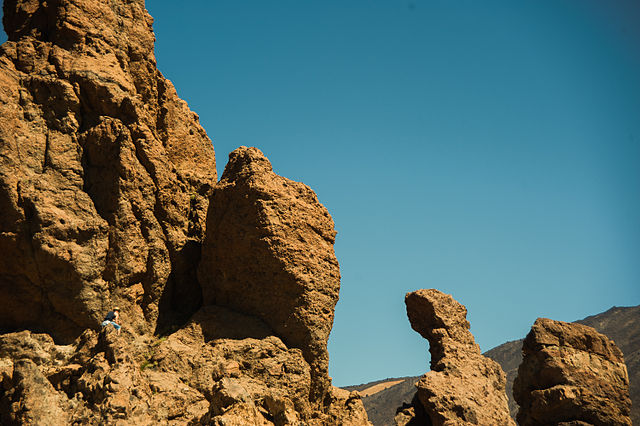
487, 149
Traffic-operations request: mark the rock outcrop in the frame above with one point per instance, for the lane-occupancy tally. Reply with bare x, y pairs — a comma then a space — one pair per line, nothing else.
106, 179
104, 172
463, 386
621, 324
571, 374
200, 374
268, 253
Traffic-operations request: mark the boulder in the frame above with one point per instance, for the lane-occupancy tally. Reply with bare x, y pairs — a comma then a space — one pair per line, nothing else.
32, 399
463, 386
104, 172
268, 253
571, 374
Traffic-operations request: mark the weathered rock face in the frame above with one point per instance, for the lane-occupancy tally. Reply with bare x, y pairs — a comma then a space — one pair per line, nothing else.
269, 253
100, 379
104, 171
463, 386
105, 183
193, 376
571, 374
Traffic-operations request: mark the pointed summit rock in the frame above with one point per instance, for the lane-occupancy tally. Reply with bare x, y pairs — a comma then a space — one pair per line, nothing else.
104, 172
463, 386
571, 374
268, 253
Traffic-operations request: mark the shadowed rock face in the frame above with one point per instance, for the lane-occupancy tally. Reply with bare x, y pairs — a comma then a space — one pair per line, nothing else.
269, 253
463, 386
104, 171
571, 373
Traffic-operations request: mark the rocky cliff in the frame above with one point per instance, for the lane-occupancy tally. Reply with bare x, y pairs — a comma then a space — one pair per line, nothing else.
571, 373
108, 196
104, 172
463, 386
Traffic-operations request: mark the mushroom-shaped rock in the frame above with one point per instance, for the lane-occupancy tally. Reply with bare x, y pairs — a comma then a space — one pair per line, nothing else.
463, 386
268, 253
571, 373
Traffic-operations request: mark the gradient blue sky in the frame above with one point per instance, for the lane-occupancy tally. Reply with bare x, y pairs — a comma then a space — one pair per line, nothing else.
487, 149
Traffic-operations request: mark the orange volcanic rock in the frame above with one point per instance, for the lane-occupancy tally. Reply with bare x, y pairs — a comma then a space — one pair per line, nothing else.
463, 386
571, 374
106, 178
269, 253
201, 374
104, 171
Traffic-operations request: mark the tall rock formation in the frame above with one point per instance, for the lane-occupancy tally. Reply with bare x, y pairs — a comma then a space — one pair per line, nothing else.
463, 386
104, 172
268, 253
106, 179
571, 374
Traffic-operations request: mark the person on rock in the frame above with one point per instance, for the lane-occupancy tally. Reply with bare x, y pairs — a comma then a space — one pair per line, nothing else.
113, 318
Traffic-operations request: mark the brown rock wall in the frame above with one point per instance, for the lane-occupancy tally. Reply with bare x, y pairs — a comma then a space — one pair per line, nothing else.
104, 172
106, 179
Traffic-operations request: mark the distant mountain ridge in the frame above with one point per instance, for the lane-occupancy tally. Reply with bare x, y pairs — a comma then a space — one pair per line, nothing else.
381, 406
622, 324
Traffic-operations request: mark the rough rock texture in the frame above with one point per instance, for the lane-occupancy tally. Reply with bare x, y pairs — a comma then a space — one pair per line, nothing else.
193, 376
268, 253
104, 171
463, 386
100, 379
571, 374
621, 324
105, 181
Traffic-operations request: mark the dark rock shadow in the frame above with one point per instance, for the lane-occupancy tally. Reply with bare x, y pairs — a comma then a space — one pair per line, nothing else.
217, 322
182, 295
414, 413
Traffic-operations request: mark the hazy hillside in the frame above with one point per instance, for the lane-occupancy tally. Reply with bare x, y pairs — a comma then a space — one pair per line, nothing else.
509, 356
381, 406
622, 324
